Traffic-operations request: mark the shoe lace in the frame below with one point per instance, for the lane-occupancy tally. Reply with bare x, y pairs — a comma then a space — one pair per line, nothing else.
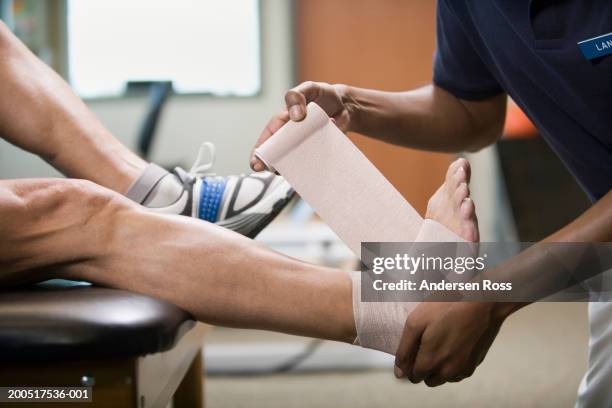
205, 161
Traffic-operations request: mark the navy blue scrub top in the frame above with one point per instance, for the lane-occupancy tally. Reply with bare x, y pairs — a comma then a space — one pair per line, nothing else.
529, 50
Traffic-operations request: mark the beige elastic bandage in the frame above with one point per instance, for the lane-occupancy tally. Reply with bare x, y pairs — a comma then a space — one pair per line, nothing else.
357, 202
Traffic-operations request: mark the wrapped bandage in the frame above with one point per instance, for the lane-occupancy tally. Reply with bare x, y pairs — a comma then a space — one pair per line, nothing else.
356, 201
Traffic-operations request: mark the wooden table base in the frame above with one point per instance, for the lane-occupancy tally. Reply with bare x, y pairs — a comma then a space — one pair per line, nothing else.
149, 381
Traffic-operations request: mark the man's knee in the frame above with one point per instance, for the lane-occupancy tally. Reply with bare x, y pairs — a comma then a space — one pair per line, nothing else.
66, 200
85, 194
5, 35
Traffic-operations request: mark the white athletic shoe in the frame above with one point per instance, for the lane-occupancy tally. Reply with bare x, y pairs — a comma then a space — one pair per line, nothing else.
244, 203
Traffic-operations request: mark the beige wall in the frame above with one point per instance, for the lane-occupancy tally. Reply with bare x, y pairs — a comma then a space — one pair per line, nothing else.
232, 124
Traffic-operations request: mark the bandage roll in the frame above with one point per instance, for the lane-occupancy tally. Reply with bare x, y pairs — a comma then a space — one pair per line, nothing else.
357, 202
339, 182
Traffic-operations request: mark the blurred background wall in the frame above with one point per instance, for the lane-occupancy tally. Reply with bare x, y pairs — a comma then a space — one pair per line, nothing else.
232, 123
388, 47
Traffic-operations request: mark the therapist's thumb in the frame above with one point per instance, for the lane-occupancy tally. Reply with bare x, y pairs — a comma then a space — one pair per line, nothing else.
296, 105
297, 98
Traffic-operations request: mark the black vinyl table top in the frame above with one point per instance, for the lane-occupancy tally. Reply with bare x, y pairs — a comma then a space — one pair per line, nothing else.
64, 320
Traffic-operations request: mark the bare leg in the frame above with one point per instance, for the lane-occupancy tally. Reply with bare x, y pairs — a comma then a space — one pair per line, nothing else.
40, 113
78, 230
93, 234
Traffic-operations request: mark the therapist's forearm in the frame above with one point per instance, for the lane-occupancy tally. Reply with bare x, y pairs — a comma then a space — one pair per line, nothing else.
427, 118
535, 270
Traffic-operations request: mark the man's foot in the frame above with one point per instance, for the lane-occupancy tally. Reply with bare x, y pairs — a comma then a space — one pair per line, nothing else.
380, 325
452, 206
245, 203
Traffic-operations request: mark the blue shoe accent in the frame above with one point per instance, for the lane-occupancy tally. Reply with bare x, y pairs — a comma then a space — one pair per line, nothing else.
211, 195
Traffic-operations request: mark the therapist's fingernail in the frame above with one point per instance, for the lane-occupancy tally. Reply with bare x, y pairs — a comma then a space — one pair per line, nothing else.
257, 166
295, 113
399, 373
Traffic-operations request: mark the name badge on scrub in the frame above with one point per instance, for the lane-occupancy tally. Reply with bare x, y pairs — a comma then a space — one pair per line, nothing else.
596, 47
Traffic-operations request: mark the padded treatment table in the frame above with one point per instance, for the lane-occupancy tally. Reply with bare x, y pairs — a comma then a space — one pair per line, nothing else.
133, 350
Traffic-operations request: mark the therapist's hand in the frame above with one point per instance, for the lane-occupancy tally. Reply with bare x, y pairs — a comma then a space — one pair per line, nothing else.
445, 342
332, 98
